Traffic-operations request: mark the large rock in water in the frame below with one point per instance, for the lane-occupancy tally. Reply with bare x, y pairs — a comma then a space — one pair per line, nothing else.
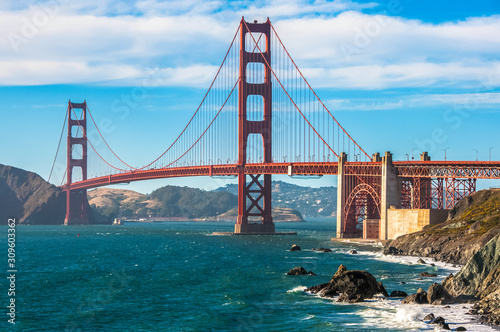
436, 294
299, 271
420, 297
480, 277
352, 286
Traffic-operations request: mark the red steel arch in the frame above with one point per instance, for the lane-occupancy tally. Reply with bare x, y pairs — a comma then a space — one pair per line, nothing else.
363, 201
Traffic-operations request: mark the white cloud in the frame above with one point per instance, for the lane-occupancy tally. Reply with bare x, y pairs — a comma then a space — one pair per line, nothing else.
95, 41
485, 100
417, 74
55, 72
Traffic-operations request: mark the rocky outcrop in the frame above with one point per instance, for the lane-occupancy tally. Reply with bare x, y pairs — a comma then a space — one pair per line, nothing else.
350, 286
300, 271
398, 293
322, 249
26, 196
473, 222
420, 297
428, 275
32, 200
480, 277
436, 294
489, 308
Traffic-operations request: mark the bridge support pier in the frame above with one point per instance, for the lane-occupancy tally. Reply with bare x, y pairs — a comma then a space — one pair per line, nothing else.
341, 195
76, 201
254, 198
390, 192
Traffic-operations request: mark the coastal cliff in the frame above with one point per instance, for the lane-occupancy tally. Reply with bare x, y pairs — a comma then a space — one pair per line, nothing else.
32, 200
470, 237
480, 277
29, 198
473, 222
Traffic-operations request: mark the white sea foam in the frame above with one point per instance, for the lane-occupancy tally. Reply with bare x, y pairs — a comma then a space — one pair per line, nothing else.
391, 314
412, 260
307, 257
297, 289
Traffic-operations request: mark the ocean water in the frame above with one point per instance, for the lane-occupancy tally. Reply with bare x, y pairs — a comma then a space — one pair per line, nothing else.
176, 276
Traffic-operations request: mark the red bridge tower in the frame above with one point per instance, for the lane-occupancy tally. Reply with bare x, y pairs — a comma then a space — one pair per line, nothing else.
258, 191
76, 202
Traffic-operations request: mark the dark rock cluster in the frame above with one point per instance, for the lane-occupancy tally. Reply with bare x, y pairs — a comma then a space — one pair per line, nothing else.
351, 286
299, 271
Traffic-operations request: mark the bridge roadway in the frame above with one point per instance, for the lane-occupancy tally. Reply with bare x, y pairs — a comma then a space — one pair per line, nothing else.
425, 169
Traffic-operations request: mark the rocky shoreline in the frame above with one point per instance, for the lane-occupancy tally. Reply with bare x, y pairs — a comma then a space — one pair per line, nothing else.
470, 237
472, 223
355, 286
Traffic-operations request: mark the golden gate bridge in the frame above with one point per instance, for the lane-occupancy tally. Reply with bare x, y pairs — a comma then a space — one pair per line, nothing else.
260, 117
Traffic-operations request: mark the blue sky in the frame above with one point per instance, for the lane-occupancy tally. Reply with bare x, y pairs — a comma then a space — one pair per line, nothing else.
398, 75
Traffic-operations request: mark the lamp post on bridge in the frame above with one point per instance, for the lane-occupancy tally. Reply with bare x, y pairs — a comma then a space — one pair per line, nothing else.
445, 152
476, 153
408, 157
412, 153
490, 152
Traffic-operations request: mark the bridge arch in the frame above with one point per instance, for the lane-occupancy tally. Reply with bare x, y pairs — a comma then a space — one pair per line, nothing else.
363, 203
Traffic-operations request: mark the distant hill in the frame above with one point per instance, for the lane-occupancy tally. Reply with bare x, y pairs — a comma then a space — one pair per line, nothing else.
192, 203
279, 215
31, 199
168, 201
173, 201
311, 202
122, 203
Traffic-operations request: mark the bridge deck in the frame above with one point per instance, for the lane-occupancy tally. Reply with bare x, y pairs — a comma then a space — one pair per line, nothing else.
429, 169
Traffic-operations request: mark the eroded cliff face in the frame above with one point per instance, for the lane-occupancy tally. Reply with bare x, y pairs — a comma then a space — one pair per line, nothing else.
32, 200
473, 222
26, 196
470, 236
480, 277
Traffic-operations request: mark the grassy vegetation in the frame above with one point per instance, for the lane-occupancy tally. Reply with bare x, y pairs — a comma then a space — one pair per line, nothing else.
480, 211
485, 210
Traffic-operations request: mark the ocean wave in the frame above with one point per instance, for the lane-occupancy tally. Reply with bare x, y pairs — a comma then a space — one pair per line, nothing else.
297, 289
410, 260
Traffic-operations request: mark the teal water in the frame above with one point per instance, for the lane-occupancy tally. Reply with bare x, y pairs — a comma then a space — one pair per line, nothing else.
175, 276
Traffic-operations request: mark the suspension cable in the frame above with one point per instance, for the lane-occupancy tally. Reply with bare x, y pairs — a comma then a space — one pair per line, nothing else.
58, 146
106, 141
199, 107
92, 146
269, 66
216, 115
296, 67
